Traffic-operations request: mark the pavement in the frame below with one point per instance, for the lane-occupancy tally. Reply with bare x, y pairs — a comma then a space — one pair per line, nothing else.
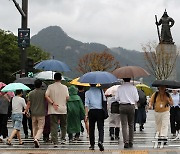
143, 143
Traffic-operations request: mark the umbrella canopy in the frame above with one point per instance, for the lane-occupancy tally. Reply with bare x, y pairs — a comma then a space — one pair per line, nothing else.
46, 75
77, 83
96, 77
52, 65
14, 87
147, 90
168, 83
112, 90
130, 72
25, 80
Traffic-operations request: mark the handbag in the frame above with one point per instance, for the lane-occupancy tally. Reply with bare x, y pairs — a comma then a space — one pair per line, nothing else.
115, 107
104, 107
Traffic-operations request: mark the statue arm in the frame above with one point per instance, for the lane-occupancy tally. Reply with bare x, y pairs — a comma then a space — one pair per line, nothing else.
159, 23
172, 22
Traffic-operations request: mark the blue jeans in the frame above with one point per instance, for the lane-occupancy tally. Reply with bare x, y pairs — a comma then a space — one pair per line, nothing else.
17, 120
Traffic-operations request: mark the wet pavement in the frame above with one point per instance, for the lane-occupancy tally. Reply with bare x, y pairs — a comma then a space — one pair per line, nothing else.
143, 143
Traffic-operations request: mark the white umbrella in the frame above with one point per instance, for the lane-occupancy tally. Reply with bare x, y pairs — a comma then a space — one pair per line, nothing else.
112, 90
46, 75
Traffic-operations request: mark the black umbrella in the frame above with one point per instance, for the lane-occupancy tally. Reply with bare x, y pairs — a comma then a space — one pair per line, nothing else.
168, 83
25, 80
29, 81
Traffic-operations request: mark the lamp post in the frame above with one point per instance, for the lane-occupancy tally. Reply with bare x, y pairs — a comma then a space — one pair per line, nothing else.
23, 38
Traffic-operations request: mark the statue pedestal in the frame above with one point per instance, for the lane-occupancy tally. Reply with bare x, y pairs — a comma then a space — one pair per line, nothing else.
168, 51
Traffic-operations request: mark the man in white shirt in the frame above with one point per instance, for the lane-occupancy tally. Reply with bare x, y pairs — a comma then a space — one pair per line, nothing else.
127, 96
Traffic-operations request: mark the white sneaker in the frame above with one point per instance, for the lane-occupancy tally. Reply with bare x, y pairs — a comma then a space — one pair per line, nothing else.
157, 135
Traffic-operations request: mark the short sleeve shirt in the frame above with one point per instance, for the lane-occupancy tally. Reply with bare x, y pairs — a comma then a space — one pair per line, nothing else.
58, 93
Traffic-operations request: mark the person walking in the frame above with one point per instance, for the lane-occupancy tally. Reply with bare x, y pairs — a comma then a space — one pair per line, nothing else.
81, 93
127, 96
75, 113
57, 96
161, 101
18, 104
4, 105
94, 112
36, 103
175, 113
141, 112
114, 116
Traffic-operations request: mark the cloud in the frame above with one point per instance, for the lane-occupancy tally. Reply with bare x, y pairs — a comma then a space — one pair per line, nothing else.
111, 22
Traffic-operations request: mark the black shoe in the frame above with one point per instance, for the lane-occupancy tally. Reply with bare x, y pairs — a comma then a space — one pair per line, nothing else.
91, 147
26, 136
140, 128
117, 137
126, 145
36, 143
130, 144
112, 137
101, 147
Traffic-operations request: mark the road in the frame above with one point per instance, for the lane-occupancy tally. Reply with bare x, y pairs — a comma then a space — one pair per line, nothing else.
142, 142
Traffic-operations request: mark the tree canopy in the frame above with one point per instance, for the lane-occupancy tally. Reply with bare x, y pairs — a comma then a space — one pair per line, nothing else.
94, 61
10, 55
160, 63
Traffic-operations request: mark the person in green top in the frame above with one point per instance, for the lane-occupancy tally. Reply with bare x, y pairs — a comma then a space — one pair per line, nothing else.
75, 113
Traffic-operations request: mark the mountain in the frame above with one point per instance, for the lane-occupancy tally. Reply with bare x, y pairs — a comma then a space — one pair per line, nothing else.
62, 47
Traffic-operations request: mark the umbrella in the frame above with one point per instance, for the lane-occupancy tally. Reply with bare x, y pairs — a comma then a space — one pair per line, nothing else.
130, 72
168, 83
52, 65
112, 90
46, 75
25, 80
96, 77
77, 83
14, 87
147, 90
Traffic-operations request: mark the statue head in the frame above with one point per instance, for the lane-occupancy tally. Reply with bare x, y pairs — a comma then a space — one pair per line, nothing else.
165, 14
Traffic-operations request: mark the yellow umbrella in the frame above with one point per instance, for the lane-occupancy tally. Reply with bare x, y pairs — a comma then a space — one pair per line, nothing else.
147, 90
77, 83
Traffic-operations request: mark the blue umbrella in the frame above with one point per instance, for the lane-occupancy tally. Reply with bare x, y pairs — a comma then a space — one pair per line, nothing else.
14, 87
96, 77
52, 65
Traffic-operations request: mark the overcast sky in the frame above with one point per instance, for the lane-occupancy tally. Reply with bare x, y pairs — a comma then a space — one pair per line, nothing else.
115, 23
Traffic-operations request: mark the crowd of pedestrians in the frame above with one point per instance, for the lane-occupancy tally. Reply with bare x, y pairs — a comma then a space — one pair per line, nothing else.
61, 108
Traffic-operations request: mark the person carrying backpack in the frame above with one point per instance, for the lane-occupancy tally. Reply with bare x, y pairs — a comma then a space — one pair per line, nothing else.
161, 102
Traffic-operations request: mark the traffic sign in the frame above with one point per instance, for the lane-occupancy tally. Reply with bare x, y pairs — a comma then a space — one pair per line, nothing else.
23, 37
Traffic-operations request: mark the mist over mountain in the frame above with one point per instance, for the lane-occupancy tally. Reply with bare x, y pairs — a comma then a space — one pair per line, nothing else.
62, 47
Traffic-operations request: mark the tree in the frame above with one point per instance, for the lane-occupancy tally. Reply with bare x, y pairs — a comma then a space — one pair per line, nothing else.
94, 61
10, 55
160, 63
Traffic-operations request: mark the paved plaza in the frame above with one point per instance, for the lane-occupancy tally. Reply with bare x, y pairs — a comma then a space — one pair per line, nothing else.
142, 143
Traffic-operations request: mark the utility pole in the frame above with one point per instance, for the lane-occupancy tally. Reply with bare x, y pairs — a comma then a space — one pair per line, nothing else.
23, 34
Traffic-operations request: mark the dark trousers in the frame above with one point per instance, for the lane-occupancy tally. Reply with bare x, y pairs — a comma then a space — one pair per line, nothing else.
96, 115
54, 126
174, 119
3, 125
46, 130
114, 131
27, 123
127, 113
